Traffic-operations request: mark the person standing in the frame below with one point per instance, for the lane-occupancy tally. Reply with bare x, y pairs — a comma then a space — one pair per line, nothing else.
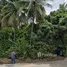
58, 52
12, 55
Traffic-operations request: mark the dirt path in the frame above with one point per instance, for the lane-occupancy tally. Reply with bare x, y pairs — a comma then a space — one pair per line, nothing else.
62, 63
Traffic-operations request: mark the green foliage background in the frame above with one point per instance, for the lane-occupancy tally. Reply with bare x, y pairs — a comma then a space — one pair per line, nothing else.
28, 39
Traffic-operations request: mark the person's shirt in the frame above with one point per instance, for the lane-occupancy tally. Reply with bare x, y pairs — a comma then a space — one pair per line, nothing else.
58, 52
12, 55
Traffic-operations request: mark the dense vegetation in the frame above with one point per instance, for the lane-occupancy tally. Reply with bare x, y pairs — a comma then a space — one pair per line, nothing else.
27, 29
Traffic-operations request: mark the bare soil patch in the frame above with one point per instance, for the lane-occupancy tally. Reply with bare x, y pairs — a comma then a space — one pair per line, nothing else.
28, 60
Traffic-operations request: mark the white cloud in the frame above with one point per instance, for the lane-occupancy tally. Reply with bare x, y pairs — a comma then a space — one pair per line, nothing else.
55, 5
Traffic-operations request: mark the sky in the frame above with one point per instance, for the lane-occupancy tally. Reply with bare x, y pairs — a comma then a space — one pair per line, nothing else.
55, 5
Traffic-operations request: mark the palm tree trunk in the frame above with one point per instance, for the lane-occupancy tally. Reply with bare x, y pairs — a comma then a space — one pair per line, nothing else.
32, 25
31, 36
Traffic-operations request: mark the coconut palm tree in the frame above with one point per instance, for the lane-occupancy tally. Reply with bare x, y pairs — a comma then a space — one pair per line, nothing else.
12, 13
18, 11
36, 9
36, 12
